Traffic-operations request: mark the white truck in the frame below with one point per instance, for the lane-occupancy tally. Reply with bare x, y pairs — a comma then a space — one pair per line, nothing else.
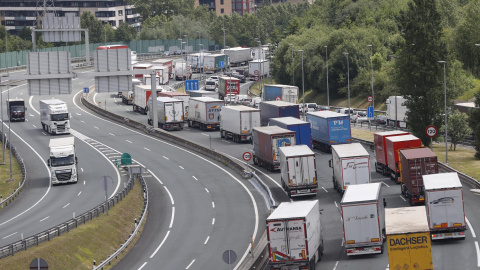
204, 112
286, 93
183, 71
63, 161
444, 203
237, 122
238, 55
163, 74
169, 112
401, 111
351, 165
141, 95
294, 234
363, 215
127, 97
54, 116
181, 96
298, 170
196, 60
258, 68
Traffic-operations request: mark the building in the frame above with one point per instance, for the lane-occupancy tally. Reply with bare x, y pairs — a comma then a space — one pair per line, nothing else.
16, 14
227, 7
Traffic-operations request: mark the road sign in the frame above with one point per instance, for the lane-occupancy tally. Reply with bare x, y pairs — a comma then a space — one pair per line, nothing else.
370, 99
247, 156
191, 85
39, 263
370, 112
256, 78
229, 256
86, 90
222, 64
431, 131
278, 98
256, 72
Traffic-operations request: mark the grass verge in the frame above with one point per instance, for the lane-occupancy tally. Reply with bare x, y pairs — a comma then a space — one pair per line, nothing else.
95, 240
462, 159
8, 186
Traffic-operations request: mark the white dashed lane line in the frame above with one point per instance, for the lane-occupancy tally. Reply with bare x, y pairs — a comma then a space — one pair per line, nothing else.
66, 205
166, 158
181, 167
10, 235
128, 141
206, 240
195, 178
44, 219
146, 149
213, 221
190, 264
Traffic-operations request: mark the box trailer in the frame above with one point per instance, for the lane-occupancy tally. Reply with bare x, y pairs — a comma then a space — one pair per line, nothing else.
177, 95
329, 128
400, 111
203, 93
228, 86
445, 206
141, 66
302, 130
258, 68
183, 71
163, 75
351, 165
238, 55
275, 109
196, 60
392, 146
298, 171
282, 92
169, 112
216, 62
204, 113
363, 210
381, 151
294, 235
237, 122
414, 163
266, 144
408, 238
141, 94
165, 62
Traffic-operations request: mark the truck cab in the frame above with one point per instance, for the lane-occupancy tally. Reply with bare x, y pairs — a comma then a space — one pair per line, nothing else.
16, 109
63, 161
54, 116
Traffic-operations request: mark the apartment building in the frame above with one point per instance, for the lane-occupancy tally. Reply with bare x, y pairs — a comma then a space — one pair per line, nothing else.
227, 7
16, 14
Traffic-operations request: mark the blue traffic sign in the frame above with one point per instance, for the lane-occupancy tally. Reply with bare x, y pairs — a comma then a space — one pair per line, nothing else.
86, 90
222, 64
370, 112
191, 85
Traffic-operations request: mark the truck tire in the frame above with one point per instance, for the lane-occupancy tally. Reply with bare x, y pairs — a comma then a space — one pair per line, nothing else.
402, 188
221, 134
410, 200
255, 161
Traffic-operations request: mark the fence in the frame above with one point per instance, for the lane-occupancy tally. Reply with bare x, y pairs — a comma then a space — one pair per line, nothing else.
21, 185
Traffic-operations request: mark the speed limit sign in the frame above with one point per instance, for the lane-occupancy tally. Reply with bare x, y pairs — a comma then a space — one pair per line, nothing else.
431, 131
256, 78
247, 156
256, 72
370, 99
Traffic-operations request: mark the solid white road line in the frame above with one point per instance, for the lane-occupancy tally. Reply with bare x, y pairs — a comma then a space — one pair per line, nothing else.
143, 265
470, 227
169, 194
160, 181
161, 244
44, 219
206, 240
66, 205
195, 178
190, 264
478, 253
173, 217
9, 235
207, 190
385, 184
402, 197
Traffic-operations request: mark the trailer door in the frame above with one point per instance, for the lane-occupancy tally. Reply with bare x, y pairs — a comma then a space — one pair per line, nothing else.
245, 122
362, 170
446, 209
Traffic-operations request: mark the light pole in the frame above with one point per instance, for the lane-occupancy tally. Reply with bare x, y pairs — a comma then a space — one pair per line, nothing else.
198, 32
445, 93
328, 91
186, 38
395, 63
184, 62
105, 27
293, 66
371, 66
303, 87
203, 60
478, 71
348, 83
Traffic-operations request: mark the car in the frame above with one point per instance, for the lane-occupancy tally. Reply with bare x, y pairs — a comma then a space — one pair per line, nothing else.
311, 107
239, 76
210, 85
359, 117
215, 78
380, 120
345, 111
228, 74
323, 108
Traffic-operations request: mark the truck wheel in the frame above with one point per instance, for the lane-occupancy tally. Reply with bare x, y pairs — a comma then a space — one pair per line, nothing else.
402, 188
255, 161
410, 200
376, 168
189, 124
221, 134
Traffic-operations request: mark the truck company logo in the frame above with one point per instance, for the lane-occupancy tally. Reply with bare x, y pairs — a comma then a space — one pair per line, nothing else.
283, 142
338, 122
214, 109
196, 106
360, 218
405, 241
297, 228
211, 116
443, 200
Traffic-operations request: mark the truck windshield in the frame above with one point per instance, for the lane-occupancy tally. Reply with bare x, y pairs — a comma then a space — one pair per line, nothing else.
18, 109
63, 161
60, 117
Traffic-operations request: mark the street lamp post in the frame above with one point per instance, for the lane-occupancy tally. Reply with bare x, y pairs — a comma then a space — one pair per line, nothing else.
445, 93
198, 32
293, 66
328, 91
303, 87
184, 63
395, 63
203, 60
371, 66
478, 71
348, 83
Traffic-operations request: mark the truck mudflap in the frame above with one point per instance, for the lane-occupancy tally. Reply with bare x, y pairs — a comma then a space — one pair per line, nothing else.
352, 251
297, 265
448, 234
302, 191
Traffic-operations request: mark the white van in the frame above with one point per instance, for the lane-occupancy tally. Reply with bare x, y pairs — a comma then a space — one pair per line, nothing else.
345, 111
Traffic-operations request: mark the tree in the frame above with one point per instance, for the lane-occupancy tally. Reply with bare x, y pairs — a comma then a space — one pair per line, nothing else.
457, 128
420, 76
25, 34
95, 27
474, 121
125, 32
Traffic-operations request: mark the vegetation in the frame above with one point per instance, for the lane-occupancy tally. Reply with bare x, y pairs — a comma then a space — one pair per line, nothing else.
474, 121
7, 185
457, 128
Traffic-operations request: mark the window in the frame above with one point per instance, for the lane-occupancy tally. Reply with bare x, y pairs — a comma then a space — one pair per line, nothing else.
120, 13
221, 3
222, 11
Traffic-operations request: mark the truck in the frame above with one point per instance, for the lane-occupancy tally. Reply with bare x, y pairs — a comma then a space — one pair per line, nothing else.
54, 116
169, 113
294, 234
408, 238
350, 164
196, 60
141, 66
392, 146
16, 109
445, 206
286, 93
381, 151
401, 111
414, 163
329, 128
62, 161
203, 93
302, 130
163, 75
363, 216
141, 95
237, 122
275, 109
204, 113
215, 62
183, 71
298, 171
238, 55
228, 85
266, 144
127, 97
181, 96
165, 62
258, 68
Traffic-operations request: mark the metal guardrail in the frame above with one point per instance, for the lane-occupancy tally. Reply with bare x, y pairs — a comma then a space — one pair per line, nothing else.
21, 185
35, 240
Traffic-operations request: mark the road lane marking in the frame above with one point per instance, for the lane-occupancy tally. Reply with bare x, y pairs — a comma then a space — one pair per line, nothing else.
143, 265
213, 221
161, 244
34, 126
385, 184
325, 189
81, 169
336, 205
343, 241
169, 194
402, 198
478, 253
166, 158
44, 219
190, 264
16, 233
82, 121
207, 190
335, 267
44, 133
128, 141
95, 127
181, 167
470, 228
79, 193
146, 149
111, 134
83, 182
206, 240
195, 178
66, 205
173, 217
79, 113
213, 204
